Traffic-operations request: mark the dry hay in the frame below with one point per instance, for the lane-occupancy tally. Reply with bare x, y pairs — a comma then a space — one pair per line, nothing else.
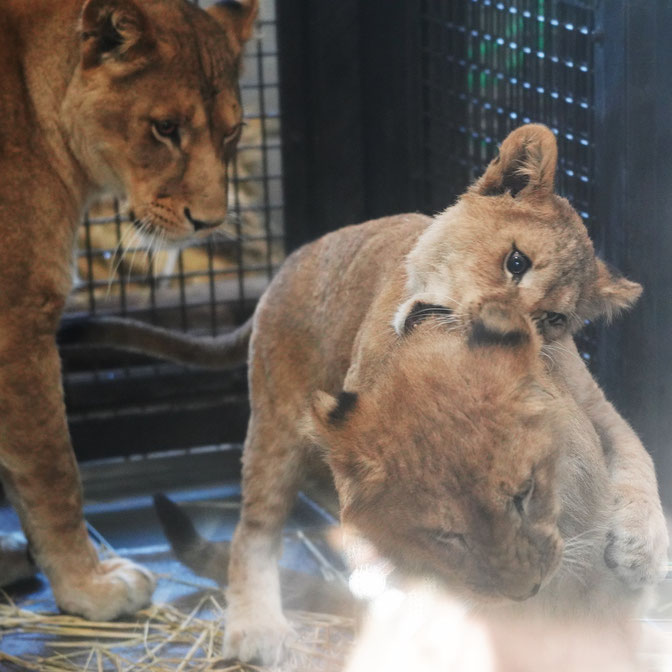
161, 638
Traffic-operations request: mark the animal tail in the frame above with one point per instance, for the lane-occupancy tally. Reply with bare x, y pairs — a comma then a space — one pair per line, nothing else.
205, 558
210, 559
16, 563
218, 352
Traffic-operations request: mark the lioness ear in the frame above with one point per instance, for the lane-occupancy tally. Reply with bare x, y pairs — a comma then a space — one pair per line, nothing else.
236, 15
611, 293
114, 30
525, 165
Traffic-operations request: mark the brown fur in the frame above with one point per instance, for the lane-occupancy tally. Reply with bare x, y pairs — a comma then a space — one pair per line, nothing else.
326, 323
339, 316
83, 84
472, 429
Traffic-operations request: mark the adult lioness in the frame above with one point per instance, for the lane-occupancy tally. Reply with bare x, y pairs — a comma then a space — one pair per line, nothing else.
141, 98
342, 305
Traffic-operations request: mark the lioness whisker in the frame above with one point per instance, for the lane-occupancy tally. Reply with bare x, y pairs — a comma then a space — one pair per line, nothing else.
118, 257
137, 244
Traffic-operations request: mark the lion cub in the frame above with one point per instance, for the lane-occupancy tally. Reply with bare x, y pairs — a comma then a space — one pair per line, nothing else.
342, 306
461, 457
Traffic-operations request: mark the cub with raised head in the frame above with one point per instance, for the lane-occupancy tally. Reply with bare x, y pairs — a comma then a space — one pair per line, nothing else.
509, 236
137, 97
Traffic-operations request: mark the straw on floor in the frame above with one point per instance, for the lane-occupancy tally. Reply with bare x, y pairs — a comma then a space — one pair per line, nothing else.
161, 638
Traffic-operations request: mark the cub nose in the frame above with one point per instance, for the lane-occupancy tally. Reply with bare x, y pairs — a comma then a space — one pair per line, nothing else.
199, 224
532, 593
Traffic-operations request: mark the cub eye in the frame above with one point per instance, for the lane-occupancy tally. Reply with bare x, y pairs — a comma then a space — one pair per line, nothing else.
447, 538
556, 319
523, 497
167, 128
517, 264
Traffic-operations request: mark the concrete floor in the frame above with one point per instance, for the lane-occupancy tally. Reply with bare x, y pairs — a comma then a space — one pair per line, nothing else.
205, 484
119, 508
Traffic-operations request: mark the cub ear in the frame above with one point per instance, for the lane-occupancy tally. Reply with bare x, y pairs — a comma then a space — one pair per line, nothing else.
611, 293
115, 30
236, 15
525, 165
330, 412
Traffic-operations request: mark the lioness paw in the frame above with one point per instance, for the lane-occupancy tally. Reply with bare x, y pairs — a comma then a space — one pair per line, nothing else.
637, 544
117, 587
257, 638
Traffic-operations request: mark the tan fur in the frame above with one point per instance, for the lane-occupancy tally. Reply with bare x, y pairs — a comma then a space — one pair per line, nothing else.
336, 318
462, 256
440, 441
326, 323
83, 84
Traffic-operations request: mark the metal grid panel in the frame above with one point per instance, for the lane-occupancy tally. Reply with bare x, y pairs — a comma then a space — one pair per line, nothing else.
488, 67
206, 286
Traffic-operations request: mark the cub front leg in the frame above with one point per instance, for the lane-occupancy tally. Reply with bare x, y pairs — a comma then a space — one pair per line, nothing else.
637, 542
256, 628
38, 469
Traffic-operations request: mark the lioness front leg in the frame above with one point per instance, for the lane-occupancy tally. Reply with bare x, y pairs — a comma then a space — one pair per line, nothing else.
638, 540
39, 471
256, 629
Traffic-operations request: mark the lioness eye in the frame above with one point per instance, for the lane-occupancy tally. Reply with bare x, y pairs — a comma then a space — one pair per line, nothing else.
235, 133
167, 128
517, 263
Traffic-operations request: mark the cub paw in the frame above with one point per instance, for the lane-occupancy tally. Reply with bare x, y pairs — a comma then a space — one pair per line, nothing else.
637, 544
116, 587
257, 639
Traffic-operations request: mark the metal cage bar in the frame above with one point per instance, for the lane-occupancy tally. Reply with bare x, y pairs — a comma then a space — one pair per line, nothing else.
121, 403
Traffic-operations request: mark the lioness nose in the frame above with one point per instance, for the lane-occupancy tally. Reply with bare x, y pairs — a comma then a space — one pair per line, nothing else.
199, 224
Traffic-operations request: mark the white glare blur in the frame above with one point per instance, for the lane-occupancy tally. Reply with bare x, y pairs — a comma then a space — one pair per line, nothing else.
368, 582
422, 629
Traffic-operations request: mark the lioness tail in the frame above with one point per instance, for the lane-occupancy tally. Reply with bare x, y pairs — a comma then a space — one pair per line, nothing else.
218, 352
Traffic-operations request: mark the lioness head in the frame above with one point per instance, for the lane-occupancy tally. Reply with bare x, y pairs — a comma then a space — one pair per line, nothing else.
153, 109
446, 464
510, 237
